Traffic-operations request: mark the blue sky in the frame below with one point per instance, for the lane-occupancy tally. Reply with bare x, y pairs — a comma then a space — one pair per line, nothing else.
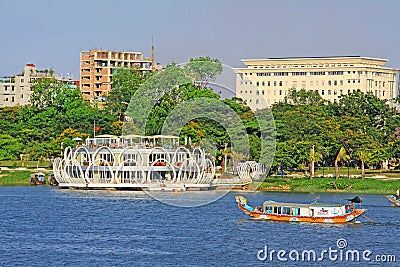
52, 33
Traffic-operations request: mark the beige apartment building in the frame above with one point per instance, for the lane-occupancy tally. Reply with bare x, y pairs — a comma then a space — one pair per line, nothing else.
267, 81
16, 90
97, 67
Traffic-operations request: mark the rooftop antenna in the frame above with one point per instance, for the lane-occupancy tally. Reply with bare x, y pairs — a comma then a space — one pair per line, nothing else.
152, 54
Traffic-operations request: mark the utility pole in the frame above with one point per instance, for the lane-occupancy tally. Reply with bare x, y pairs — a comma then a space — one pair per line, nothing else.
152, 55
312, 162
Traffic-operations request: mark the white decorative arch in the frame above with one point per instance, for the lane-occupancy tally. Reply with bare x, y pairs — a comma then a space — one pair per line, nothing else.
176, 159
131, 150
157, 152
57, 170
243, 170
159, 175
189, 171
249, 170
82, 166
99, 171
100, 149
85, 152
68, 155
75, 172
208, 173
198, 155
136, 174
257, 170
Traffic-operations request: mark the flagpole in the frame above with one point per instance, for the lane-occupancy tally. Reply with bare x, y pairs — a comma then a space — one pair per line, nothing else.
94, 129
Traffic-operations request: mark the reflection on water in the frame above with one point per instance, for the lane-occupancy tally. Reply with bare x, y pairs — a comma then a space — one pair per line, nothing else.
43, 226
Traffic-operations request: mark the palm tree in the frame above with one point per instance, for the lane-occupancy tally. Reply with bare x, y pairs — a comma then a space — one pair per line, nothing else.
364, 156
236, 157
342, 155
314, 156
225, 154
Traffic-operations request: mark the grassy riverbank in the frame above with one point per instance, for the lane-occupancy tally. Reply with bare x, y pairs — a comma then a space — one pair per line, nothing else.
319, 184
25, 164
389, 185
15, 177
17, 172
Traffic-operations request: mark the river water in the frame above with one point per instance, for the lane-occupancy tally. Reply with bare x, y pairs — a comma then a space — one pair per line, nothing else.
43, 226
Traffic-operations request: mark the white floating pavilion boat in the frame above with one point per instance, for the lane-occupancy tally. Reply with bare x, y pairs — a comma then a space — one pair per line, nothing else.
134, 162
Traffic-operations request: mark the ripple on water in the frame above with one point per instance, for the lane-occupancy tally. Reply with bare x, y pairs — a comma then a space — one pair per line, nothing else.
101, 228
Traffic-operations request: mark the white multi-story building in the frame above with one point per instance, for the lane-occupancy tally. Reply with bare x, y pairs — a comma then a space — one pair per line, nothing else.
16, 90
267, 81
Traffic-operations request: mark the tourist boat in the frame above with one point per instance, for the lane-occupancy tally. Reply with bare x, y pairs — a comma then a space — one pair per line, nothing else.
312, 213
394, 200
154, 163
134, 162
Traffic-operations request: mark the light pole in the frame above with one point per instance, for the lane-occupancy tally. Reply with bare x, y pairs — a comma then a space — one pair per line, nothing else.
348, 169
225, 156
323, 168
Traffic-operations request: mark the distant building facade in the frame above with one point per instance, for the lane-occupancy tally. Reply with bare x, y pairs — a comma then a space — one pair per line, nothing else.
16, 90
97, 67
267, 81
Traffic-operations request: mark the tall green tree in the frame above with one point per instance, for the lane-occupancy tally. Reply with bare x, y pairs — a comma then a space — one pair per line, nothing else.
52, 93
125, 83
10, 147
203, 70
304, 97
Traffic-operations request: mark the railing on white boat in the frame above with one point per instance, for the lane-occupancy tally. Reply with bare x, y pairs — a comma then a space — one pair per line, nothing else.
120, 162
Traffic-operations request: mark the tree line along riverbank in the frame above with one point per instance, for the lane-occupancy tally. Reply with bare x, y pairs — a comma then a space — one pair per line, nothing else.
320, 185
21, 177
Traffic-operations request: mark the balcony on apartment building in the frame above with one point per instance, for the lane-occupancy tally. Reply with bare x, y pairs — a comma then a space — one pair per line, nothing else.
85, 80
101, 63
85, 72
101, 71
101, 79
85, 65
101, 55
85, 55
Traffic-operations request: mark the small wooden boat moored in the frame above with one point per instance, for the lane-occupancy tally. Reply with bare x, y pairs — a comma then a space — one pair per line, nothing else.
312, 213
394, 200
37, 178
